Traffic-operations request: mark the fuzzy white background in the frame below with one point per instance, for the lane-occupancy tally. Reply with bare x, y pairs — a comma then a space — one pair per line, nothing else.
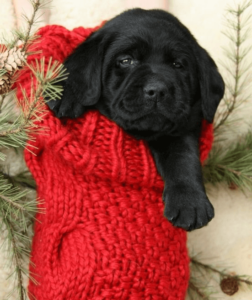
227, 240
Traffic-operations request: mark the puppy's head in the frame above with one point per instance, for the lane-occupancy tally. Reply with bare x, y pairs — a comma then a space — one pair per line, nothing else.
144, 70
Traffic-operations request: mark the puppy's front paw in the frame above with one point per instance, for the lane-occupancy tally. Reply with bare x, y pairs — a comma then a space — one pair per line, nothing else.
187, 207
68, 106
67, 109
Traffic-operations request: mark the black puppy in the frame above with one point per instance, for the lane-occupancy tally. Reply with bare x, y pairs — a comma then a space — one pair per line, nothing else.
145, 71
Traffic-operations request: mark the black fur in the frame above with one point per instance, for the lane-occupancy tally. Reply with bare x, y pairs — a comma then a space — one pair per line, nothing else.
145, 71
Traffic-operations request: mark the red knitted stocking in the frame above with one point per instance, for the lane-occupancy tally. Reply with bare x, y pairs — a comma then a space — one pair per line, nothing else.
103, 235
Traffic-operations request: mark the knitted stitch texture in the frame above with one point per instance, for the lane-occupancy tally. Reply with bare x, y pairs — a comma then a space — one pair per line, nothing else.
103, 235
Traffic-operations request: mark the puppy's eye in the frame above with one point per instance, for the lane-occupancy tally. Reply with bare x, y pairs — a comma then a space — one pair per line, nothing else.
177, 65
126, 62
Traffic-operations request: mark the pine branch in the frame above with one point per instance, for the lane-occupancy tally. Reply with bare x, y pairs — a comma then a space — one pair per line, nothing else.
248, 282
16, 214
232, 165
228, 282
25, 36
32, 107
36, 6
236, 56
17, 259
12, 203
23, 179
207, 267
197, 290
237, 61
48, 79
12, 57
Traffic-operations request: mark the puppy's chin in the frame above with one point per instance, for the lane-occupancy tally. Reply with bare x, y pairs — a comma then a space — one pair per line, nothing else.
153, 122
149, 126
145, 122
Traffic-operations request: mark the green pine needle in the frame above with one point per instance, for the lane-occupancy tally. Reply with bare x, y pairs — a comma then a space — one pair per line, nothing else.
232, 165
50, 78
17, 214
237, 30
17, 211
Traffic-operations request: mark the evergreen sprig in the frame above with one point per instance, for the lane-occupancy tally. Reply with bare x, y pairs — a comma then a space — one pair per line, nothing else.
22, 179
237, 24
17, 214
15, 133
25, 36
232, 165
17, 211
196, 291
49, 78
204, 275
228, 162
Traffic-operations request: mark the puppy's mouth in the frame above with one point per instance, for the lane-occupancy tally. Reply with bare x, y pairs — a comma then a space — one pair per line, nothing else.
135, 111
150, 112
148, 125
153, 131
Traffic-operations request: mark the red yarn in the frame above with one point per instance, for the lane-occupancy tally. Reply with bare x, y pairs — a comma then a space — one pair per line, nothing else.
103, 235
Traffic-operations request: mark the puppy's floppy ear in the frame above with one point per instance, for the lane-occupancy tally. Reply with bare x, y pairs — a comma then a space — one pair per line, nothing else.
82, 88
211, 85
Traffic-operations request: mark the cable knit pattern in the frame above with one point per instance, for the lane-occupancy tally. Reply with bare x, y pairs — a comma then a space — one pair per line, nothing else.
103, 235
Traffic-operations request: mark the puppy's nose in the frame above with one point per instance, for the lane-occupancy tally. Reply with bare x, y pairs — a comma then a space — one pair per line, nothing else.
155, 91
